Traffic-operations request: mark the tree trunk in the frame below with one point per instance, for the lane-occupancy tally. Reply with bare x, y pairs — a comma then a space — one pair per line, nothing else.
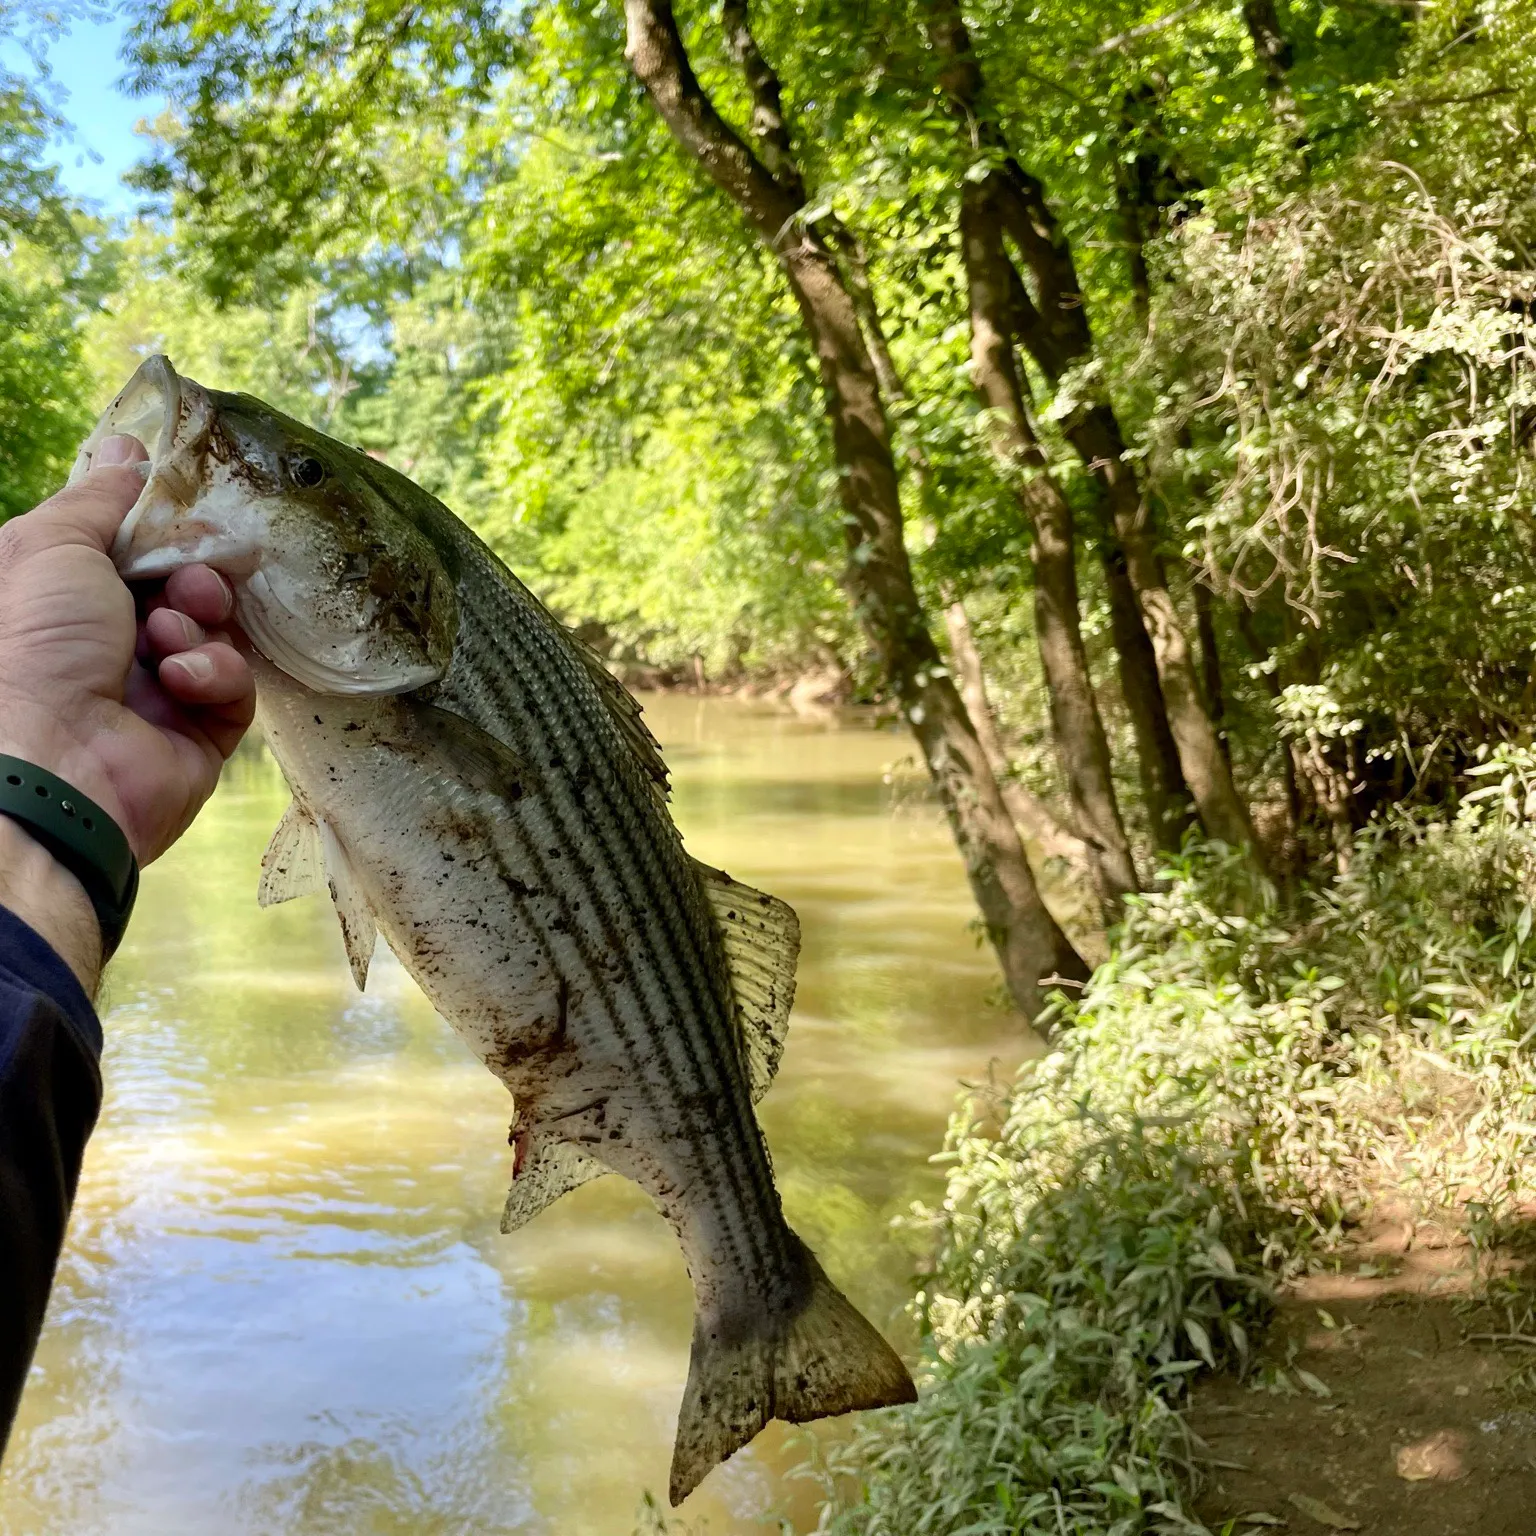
1210, 661
1206, 770
1053, 327
1031, 947
1163, 790
1032, 815
1079, 731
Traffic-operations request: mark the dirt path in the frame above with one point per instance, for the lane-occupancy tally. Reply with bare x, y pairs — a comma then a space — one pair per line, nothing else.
1419, 1435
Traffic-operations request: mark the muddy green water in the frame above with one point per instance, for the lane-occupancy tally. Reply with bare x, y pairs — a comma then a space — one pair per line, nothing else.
286, 1308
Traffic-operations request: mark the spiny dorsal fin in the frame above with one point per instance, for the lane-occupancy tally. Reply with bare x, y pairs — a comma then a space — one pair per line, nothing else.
555, 1168
762, 944
358, 931
293, 864
628, 716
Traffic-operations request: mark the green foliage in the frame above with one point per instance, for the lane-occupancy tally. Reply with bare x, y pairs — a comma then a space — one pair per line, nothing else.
47, 280
1343, 376
1219, 1105
43, 385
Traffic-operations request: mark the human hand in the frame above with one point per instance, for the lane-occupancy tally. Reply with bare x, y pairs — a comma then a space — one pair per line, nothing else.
136, 706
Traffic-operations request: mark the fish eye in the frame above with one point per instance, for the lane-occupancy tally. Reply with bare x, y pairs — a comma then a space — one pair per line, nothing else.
307, 472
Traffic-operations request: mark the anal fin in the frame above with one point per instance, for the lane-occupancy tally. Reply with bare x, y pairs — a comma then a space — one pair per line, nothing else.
554, 1168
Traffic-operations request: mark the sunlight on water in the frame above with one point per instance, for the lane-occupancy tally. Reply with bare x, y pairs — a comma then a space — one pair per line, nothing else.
286, 1308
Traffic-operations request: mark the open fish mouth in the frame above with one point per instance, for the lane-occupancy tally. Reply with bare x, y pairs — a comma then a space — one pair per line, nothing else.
179, 518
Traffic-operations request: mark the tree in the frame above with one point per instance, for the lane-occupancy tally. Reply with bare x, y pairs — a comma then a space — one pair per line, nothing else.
1053, 325
1029, 944
1074, 710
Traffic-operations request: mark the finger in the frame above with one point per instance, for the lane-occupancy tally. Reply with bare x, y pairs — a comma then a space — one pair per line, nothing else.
215, 689
209, 674
168, 630
92, 510
200, 593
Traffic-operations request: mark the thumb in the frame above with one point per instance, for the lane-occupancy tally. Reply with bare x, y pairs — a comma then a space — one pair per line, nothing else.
92, 510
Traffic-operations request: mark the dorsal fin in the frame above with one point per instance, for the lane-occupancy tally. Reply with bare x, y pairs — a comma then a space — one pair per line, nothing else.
627, 714
762, 943
293, 864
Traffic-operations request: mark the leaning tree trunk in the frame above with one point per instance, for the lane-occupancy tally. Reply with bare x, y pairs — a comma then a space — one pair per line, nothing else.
1031, 815
1053, 327
1079, 731
1163, 790
1031, 947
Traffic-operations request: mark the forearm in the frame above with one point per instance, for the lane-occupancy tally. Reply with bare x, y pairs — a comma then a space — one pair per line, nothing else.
50, 900
50, 1091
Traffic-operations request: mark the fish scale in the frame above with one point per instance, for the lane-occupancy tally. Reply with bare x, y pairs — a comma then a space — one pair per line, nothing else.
692, 1076
470, 783
705, 1045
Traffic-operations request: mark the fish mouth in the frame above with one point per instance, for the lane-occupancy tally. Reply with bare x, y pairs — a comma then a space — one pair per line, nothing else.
178, 518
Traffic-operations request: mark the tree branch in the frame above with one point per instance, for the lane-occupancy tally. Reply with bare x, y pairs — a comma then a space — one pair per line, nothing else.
656, 54
768, 125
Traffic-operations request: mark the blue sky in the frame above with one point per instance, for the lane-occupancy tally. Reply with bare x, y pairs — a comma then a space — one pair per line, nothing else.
86, 68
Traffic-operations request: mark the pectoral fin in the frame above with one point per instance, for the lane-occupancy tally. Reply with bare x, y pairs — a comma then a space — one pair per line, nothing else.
443, 741
293, 864
554, 1168
358, 930
762, 944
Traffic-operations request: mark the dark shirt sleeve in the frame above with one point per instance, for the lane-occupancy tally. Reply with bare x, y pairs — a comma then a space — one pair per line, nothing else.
50, 1091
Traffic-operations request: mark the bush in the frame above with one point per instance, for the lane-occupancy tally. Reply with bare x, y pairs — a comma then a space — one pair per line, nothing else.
1232, 1089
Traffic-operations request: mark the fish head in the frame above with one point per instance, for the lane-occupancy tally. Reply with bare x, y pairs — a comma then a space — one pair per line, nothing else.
336, 581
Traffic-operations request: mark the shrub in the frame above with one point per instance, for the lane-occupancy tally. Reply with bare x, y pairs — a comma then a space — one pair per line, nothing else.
1223, 1101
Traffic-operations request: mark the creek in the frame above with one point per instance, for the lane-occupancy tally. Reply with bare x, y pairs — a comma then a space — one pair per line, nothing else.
286, 1309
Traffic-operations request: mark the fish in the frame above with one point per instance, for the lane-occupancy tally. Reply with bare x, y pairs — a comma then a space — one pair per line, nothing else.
471, 783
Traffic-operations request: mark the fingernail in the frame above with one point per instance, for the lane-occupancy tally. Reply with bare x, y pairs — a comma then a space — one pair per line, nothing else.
197, 666
227, 606
191, 632
117, 450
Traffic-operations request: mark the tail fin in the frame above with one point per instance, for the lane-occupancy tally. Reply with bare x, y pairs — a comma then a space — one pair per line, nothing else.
817, 1357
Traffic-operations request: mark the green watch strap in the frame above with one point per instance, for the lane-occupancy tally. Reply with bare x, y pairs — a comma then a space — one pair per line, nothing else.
80, 835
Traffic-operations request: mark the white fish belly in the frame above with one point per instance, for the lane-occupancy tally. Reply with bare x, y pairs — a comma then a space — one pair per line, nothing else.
472, 914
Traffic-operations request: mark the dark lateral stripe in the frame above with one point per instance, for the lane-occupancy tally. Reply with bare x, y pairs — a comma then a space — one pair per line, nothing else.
555, 876
716, 1169
627, 852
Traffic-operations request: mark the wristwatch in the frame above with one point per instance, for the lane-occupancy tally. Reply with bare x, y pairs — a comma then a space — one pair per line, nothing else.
80, 835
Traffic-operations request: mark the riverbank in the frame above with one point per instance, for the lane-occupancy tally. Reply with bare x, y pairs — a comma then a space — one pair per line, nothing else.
1135, 1230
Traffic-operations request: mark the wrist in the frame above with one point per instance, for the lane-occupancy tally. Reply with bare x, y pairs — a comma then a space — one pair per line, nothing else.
30, 732
48, 898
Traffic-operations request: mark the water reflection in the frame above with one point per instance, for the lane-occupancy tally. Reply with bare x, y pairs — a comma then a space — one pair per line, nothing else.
286, 1308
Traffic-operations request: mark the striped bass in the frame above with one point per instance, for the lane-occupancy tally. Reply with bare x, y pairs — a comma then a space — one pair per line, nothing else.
470, 782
